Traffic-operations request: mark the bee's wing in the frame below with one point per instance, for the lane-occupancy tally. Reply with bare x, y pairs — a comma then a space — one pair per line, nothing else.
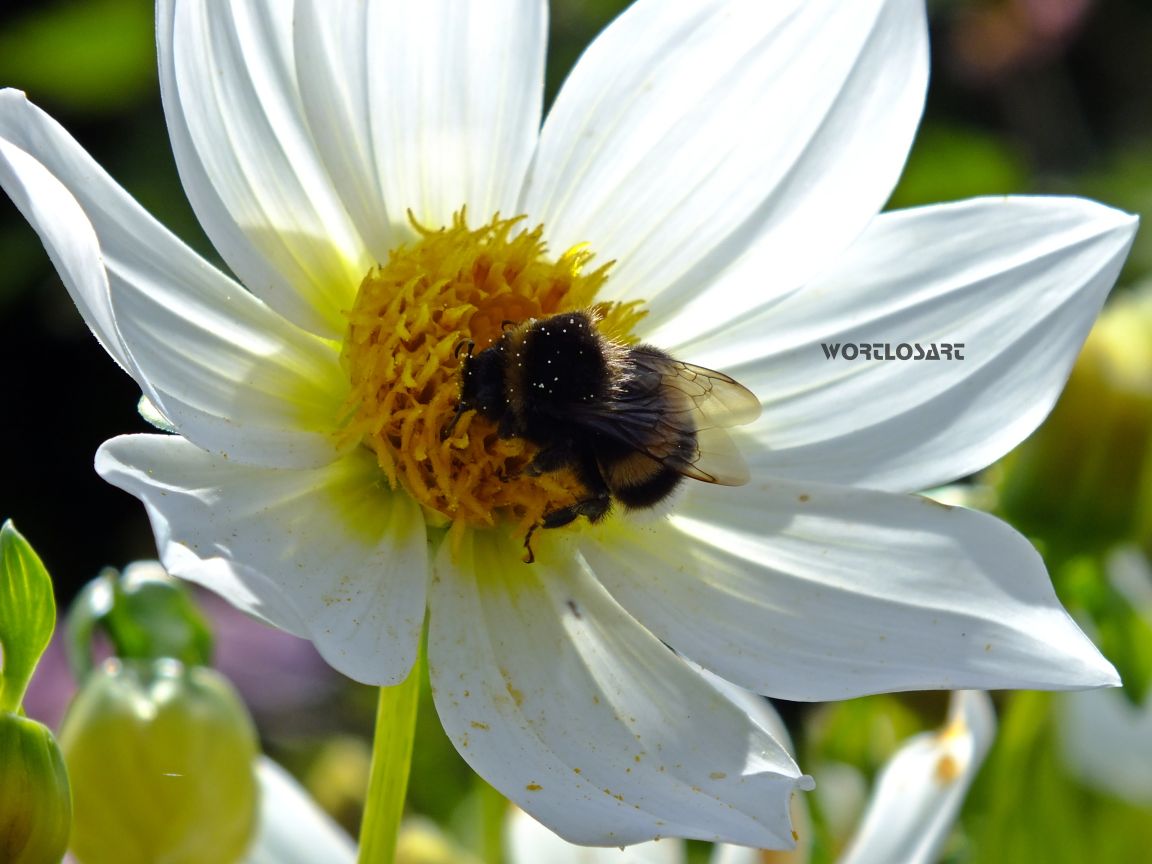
716, 400
717, 460
709, 401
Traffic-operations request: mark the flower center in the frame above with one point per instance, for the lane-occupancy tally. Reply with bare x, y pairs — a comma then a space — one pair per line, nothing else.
407, 331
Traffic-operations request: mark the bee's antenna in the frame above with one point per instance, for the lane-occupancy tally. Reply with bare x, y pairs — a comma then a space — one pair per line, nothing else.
461, 344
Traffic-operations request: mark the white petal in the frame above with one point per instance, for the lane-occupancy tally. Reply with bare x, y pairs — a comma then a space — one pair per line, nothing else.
1107, 743
248, 161
569, 708
921, 788
1017, 281
755, 705
529, 842
293, 829
732, 144
232, 375
327, 553
423, 106
762, 712
67, 236
819, 592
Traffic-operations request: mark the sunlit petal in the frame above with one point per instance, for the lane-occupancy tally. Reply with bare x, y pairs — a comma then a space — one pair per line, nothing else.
582, 718
815, 592
227, 371
326, 553
1016, 281
734, 145
248, 160
423, 106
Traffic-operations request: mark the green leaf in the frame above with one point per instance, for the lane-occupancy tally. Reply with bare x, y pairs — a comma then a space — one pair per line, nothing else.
27, 615
864, 733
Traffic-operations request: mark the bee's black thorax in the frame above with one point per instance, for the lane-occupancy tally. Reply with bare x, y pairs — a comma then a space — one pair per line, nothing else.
538, 373
603, 409
561, 365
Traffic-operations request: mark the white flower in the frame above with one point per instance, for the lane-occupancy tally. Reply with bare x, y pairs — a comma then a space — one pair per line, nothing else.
730, 156
1107, 743
920, 790
292, 828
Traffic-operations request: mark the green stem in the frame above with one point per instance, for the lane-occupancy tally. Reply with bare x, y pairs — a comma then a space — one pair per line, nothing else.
493, 810
391, 761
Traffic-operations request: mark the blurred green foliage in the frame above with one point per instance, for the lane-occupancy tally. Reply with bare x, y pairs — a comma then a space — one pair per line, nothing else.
94, 56
953, 162
1126, 182
1025, 805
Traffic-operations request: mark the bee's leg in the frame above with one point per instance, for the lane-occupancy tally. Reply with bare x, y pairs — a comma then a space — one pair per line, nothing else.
599, 501
594, 508
461, 407
552, 458
529, 555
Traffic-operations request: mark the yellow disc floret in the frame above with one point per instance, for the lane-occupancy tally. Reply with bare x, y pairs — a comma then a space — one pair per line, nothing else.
412, 318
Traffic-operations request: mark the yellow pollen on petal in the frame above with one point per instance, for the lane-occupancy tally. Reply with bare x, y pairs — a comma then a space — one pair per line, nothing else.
407, 330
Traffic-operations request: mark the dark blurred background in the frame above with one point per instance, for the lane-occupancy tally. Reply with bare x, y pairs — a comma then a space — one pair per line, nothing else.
1049, 96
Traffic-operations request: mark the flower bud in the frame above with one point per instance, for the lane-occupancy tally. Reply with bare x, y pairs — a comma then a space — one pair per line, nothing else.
162, 760
145, 613
35, 806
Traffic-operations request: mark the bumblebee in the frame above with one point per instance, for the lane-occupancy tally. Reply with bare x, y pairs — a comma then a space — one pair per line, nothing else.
629, 420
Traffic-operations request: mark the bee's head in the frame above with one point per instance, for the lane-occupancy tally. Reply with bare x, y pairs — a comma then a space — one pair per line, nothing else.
481, 383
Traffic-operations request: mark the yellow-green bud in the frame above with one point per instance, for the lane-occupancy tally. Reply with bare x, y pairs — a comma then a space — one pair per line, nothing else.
422, 842
35, 806
162, 761
1082, 481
